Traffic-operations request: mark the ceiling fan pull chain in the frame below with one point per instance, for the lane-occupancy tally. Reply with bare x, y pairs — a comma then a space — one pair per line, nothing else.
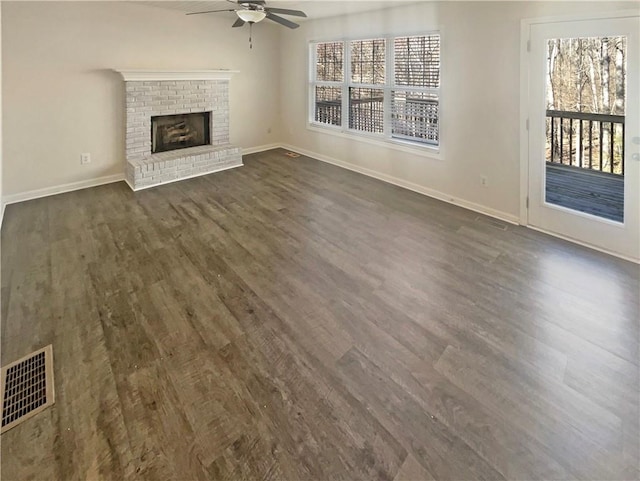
250, 32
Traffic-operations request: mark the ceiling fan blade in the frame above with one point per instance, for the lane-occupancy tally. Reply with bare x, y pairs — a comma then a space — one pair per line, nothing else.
282, 21
212, 11
238, 23
286, 11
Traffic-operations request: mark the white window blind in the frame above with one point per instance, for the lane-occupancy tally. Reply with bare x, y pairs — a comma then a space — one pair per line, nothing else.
417, 61
330, 62
414, 116
368, 59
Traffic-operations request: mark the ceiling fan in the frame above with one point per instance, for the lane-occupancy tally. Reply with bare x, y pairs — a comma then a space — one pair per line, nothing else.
254, 11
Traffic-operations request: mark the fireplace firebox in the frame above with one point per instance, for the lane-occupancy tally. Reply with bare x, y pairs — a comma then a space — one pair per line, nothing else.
172, 132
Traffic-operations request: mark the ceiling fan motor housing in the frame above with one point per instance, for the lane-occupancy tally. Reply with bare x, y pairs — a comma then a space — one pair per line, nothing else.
254, 11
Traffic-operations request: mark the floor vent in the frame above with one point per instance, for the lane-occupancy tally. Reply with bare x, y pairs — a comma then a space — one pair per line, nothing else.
27, 387
293, 155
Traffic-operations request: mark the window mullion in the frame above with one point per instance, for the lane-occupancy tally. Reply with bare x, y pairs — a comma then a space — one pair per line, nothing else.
311, 99
345, 86
389, 83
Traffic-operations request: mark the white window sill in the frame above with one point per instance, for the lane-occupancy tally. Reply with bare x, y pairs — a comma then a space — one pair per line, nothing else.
390, 143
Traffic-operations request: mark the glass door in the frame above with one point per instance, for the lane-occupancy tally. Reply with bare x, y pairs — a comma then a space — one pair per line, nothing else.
584, 111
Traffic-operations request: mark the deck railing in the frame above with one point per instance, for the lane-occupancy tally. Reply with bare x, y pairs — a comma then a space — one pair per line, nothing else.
586, 140
329, 112
364, 114
411, 119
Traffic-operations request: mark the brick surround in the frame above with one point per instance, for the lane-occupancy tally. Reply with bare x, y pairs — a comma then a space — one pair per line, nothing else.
168, 95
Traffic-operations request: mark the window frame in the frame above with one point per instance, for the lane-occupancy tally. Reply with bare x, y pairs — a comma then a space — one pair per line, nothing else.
350, 84
313, 59
386, 138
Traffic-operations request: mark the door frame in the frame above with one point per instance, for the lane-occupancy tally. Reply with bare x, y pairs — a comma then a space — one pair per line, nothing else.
525, 28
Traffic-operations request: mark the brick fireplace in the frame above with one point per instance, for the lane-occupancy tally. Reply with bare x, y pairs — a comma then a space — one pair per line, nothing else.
158, 107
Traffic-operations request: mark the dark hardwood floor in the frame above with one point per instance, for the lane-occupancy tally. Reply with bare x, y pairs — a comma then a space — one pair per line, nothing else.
290, 320
590, 191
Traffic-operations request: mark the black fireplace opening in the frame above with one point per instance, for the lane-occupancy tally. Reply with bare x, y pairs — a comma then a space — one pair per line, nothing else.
172, 132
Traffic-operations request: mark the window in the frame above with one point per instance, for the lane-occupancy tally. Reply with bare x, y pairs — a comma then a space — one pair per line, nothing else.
415, 99
329, 76
383, 87
366, 110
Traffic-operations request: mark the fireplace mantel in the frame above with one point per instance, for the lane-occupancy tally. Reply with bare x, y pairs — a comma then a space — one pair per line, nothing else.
163, 75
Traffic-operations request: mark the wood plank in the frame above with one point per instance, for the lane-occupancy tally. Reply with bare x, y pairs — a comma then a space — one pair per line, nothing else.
594, 434
434, 446
586, 191
293, 320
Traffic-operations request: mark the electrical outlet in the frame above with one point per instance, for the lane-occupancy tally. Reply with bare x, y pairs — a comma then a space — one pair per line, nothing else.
484, 181
85, 158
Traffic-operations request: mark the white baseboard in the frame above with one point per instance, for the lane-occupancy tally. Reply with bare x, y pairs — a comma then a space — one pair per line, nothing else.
260, 148
512, 219
35, 194
182, 178
84, 184
585, 244
60, 189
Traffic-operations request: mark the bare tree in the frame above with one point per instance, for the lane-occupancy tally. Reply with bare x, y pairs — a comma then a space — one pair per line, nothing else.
587, 75
620, 75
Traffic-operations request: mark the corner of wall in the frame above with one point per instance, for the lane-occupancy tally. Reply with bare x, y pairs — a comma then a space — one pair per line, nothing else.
118, 36
2, 203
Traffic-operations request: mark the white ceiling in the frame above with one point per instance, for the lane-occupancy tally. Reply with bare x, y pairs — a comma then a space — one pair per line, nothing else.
313, 8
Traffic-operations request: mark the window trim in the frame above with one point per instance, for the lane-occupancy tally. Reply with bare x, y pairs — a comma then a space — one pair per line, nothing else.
421, 150
385, 139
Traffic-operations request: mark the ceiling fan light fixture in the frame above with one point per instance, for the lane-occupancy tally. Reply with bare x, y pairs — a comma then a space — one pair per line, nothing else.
252, 16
